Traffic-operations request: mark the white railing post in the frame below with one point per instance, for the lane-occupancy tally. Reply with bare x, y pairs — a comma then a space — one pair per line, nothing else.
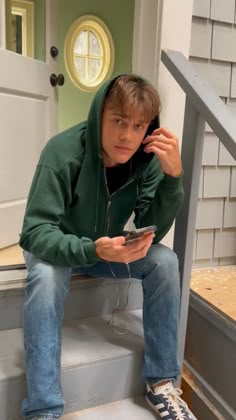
192, 149
202, 104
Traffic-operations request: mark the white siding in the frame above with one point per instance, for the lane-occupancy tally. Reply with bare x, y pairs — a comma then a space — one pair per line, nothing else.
225, 244
210, 214
223, 10
213, 53
223, 42
205, 240
200, 194
233, 183
201, 8
225, 158
233, 83
230, 214
210, 150
217, 74
201, 38
216, 182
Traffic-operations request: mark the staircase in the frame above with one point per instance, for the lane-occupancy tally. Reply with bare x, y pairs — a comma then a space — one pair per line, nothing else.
101, 369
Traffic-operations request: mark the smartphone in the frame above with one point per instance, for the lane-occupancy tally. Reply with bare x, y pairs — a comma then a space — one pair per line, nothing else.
134, 235
154, 124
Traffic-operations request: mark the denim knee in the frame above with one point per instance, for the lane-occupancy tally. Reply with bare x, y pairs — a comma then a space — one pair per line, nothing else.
46, 283
164, 266
167, 259
163, 255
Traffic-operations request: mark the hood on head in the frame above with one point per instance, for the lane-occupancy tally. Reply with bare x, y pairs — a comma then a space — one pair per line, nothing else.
94, 129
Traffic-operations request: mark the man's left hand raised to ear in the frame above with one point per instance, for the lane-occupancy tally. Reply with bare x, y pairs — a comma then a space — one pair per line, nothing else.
165, 146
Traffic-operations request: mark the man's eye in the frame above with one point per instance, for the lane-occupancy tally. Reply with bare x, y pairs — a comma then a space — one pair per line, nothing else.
138, 126
118, 121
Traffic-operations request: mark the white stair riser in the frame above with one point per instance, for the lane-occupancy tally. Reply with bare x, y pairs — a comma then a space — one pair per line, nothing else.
94, 298
85, 386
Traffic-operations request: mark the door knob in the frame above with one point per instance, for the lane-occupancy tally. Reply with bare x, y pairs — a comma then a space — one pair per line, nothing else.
60, 79
57, 80
54, 51
53, 79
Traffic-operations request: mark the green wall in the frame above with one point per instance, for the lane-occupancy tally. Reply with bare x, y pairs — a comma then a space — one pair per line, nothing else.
118, 15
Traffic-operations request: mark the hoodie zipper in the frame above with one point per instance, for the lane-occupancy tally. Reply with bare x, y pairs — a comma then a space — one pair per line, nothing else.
110, 196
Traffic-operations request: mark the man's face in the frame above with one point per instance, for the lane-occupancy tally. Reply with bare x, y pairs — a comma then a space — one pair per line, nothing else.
121, 136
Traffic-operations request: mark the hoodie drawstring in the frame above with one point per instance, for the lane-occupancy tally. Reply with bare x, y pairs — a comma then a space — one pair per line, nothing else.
97, 201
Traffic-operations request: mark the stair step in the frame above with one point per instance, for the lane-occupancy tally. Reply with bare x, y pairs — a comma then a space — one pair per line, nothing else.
128, 409
98, 365
88, 297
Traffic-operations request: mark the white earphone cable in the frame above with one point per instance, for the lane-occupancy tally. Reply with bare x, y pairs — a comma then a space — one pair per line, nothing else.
119, 328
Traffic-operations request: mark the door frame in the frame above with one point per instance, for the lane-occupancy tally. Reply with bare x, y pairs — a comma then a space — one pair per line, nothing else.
3, 25
158, 24
147, 38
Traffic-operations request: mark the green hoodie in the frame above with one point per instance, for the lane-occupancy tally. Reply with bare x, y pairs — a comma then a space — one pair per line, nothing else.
69, 205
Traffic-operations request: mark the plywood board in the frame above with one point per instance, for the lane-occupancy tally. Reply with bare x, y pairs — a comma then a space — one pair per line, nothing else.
218, 286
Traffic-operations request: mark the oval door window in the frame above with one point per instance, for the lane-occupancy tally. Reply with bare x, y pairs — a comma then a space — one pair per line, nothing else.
89, 52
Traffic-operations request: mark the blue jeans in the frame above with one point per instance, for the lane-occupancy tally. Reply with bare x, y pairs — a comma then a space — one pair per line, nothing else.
45, 291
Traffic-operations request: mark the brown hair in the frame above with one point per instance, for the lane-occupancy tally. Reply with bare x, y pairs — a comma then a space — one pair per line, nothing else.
132, 95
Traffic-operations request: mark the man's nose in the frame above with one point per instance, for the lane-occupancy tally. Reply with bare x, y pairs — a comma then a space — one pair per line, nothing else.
127, 134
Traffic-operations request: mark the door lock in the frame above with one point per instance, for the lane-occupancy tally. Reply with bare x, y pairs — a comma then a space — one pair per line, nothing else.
57, 80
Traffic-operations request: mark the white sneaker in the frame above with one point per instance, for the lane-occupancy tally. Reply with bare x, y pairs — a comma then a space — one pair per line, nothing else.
166, 401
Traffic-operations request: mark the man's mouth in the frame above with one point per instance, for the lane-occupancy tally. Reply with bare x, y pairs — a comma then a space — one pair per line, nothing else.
123, 148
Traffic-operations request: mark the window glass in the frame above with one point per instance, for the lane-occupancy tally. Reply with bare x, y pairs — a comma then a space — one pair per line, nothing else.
26, 28
89, 52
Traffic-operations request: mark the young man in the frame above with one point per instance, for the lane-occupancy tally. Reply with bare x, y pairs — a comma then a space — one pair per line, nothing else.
87, 183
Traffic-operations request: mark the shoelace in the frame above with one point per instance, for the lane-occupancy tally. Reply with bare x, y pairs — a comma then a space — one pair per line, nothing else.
176, 403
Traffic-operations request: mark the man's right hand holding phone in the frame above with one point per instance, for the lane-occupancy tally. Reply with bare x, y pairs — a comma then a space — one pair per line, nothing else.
113, 249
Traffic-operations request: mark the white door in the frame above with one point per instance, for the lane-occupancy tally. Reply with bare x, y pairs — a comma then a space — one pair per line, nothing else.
28, 117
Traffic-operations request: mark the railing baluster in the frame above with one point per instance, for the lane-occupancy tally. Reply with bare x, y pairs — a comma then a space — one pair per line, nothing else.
192, 148
201, 103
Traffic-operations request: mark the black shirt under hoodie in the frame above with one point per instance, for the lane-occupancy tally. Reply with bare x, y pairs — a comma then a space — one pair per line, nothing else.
117, 176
